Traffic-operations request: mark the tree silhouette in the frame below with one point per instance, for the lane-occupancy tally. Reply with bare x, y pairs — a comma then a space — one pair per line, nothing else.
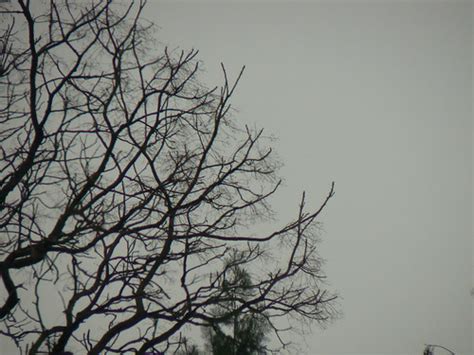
124, 183
430, 348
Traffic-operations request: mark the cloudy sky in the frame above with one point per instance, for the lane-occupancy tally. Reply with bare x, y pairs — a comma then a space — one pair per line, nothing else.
377, 97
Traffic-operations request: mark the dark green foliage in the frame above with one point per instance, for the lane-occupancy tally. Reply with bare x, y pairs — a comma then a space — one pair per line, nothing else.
188, 350
247, 339
237, 333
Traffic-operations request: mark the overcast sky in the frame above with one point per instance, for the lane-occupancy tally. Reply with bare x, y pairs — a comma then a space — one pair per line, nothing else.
377, 97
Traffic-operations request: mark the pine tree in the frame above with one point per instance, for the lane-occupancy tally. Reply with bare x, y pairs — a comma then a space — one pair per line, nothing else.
237, 332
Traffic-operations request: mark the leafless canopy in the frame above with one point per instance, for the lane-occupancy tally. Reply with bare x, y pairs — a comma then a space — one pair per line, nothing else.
124, 184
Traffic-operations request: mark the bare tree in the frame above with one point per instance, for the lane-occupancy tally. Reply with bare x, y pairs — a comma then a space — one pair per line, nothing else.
430, 349
124, 183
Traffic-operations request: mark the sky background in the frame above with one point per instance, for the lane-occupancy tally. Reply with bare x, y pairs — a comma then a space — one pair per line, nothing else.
377, 97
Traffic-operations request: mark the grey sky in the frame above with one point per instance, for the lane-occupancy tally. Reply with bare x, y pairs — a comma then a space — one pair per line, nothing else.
376, 96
